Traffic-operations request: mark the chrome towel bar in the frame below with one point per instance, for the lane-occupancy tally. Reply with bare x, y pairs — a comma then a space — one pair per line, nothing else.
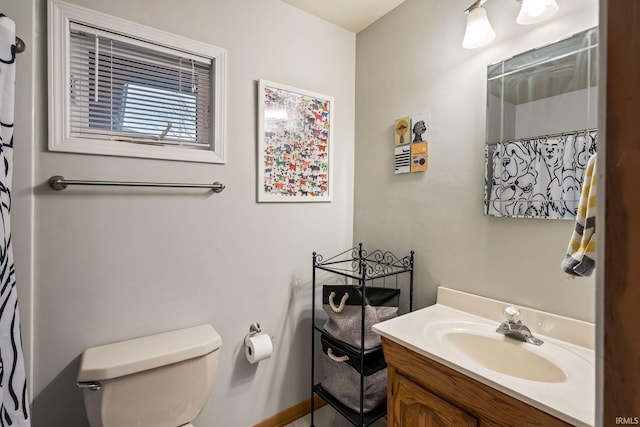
58, 183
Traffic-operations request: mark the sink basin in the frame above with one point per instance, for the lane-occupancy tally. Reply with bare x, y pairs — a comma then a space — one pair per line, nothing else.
504, 355
478, 345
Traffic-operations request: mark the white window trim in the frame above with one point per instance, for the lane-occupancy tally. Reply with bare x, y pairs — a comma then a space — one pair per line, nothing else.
60, 14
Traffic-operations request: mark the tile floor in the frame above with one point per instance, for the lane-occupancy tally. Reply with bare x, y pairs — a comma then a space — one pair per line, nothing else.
328, 417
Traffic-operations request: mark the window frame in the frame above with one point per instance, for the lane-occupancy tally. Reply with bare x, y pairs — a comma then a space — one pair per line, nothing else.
60, 17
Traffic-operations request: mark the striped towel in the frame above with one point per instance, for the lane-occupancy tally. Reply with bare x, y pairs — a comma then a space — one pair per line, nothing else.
581, 254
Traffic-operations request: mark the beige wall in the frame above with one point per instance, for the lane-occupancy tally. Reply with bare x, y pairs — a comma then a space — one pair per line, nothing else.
113, 264
411, 61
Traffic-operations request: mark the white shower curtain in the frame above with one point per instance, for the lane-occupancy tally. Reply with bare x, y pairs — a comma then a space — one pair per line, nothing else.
14, 405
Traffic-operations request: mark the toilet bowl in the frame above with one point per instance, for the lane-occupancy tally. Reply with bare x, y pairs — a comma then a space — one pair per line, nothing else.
161, 380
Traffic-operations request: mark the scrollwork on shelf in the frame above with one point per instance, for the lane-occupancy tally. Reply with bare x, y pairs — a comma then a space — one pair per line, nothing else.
340, 261
365, 264
407, 262
317, 258
377, 269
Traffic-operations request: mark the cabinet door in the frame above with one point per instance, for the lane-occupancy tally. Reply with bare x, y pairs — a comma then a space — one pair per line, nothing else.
412, 406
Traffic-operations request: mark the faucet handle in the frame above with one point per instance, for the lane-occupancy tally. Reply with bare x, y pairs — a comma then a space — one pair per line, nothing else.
511, 313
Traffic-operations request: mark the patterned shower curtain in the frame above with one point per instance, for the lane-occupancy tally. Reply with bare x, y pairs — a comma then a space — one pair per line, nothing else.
14, 405
539, 177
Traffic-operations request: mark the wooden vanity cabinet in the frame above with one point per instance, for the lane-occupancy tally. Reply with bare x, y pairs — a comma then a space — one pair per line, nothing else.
415, 406
425, 393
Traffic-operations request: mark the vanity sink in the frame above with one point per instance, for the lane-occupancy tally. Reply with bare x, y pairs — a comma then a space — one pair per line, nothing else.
544, 360
478, 345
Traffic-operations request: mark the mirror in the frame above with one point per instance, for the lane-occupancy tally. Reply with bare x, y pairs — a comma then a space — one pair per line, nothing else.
541, 128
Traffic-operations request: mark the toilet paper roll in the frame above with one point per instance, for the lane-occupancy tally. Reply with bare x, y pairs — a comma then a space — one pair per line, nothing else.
258, 347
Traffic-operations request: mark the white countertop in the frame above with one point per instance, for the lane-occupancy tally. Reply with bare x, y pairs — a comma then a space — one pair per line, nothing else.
566, 340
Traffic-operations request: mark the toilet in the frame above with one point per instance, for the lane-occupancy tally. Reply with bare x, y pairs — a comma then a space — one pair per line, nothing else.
161, 380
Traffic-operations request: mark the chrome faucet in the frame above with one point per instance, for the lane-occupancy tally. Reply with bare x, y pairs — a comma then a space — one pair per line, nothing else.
514, 328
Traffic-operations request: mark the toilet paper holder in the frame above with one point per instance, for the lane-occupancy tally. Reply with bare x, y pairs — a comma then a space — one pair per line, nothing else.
254, 329
258, 345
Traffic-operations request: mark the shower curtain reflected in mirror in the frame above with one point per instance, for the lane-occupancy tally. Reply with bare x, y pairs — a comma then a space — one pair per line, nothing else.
541, 128
538, 177
14, 404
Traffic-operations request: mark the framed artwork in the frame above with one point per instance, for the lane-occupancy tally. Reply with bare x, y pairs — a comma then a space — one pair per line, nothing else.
295, 144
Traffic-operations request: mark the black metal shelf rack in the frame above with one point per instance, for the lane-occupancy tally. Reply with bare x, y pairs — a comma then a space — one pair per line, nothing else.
363, 269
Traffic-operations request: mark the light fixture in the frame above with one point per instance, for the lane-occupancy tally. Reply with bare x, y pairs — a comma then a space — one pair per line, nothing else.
533, 11
479, 31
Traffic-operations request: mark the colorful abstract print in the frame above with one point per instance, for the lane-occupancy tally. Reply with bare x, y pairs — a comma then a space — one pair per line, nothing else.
539, 178
14, 405
296, 144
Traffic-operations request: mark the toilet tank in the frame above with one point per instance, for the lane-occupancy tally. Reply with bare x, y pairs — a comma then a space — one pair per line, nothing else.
161, 380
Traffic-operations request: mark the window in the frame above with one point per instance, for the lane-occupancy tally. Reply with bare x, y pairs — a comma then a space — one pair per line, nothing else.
175, 119
119, 88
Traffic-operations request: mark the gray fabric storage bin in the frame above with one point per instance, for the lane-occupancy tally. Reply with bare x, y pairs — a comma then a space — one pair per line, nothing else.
343, 304
341, 374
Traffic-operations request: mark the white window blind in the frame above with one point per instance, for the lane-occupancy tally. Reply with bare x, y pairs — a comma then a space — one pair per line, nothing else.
127, 90
121, 88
